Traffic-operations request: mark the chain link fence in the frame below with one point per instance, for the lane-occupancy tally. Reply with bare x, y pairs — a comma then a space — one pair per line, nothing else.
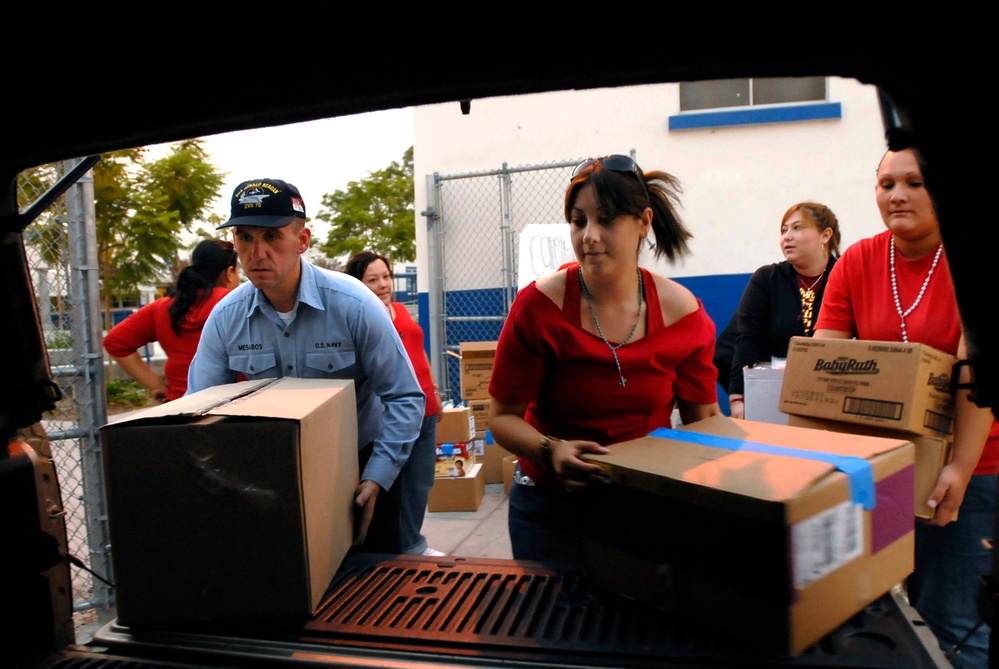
475, 246
60, 244
476, 227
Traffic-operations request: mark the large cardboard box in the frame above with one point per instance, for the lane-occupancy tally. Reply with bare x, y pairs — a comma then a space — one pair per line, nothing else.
761, 394
887, 384
232, 503
463, 493
456, 424
775, 535
931, 454
476, 368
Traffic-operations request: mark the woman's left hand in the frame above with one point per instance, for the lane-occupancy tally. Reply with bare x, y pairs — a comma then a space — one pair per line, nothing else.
948, 495
571, 470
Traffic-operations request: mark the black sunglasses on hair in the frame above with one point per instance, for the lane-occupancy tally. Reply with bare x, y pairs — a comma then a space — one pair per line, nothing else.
615, 163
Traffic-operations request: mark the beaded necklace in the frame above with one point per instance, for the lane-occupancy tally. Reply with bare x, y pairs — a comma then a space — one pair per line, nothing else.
894, 286
807, 302
589, 303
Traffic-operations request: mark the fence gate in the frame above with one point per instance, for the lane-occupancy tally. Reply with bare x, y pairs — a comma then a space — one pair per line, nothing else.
475, 221
61, 248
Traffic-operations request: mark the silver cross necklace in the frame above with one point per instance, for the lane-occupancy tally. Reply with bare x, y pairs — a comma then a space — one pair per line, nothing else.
638, 318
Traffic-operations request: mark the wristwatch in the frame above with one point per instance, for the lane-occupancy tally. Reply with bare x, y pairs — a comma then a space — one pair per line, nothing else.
546, 452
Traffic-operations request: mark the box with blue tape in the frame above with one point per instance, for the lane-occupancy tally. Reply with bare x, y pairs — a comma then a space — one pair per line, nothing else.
775, 535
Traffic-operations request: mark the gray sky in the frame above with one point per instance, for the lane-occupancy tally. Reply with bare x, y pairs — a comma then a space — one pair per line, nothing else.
318, 157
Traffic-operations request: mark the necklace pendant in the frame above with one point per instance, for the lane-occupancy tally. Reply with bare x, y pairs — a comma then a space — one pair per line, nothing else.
622, 382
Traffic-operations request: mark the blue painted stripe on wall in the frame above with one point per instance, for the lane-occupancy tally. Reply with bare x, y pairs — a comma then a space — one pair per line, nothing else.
756, 115
720, 295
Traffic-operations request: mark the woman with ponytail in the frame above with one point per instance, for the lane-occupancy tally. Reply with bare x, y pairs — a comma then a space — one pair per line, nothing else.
175, 321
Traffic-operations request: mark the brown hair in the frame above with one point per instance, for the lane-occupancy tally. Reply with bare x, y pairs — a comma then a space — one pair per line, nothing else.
209, 259
360, 261
623, 193
821, 217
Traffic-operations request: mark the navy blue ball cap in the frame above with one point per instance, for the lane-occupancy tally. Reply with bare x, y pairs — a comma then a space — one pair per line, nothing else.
266, 203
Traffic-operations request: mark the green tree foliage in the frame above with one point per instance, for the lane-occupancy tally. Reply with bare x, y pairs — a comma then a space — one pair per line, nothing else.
142, 206
374, 214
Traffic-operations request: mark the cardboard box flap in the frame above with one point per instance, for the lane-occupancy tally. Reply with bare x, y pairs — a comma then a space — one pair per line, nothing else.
288, 397
718, 452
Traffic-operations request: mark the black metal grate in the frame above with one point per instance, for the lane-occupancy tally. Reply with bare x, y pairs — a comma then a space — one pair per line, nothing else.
510, 610
500, 613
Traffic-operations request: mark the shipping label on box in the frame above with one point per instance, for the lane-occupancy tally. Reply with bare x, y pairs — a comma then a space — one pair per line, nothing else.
931, 454
760, 530
454, 459
480, 410
463, 493
476, 368
456, 424
895, 385
232, 503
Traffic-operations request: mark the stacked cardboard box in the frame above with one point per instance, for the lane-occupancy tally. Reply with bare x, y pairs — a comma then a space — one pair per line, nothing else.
232, 503
463, 493
893, 385
876, 388
458, 476
480, 411
491, 455
776, 535
454, 459
476, 368
456, 424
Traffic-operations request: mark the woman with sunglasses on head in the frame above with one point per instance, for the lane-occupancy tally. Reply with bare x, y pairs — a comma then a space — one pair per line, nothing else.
417, 475
782, 299
596, 353
175, 321
896, 286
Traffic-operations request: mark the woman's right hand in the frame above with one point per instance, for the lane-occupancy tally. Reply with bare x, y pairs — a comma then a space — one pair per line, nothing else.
571, 470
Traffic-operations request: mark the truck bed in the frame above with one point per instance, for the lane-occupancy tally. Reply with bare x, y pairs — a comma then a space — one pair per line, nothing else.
409, 611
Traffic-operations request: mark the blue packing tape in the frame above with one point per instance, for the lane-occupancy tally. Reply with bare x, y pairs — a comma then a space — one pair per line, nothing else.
857, 470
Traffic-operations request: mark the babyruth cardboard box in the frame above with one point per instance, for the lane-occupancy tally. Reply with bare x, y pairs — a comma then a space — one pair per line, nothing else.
931, 454
896, 385
476, 368
775, 535
232, 503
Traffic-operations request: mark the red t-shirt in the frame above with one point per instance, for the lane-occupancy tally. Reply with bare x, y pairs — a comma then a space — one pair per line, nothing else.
151, 323
859, 300
570, 383
412, 340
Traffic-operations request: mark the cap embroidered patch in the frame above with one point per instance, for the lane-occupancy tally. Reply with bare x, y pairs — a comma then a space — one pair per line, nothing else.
268, 203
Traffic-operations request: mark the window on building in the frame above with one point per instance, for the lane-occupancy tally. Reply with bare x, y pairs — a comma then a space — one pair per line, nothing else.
725, 93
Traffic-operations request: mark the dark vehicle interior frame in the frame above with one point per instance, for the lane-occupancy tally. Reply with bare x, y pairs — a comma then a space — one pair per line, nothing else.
86, 117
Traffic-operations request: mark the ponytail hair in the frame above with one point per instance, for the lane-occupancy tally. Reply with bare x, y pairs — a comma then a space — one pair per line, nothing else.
209, 259
622, 192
